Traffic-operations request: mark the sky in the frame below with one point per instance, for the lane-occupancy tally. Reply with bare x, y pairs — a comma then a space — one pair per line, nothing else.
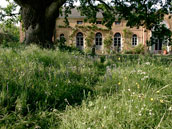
3, 3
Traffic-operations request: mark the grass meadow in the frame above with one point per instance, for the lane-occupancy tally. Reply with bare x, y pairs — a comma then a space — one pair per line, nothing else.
41, 88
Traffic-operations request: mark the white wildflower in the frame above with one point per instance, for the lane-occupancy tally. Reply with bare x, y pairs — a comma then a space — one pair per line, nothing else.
147, 63
150, 113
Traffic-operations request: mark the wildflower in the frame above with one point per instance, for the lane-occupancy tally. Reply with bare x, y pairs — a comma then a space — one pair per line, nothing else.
119, 83
161, 101
125, 78
158, 91
129, 90
145, 77
140, 114
55, 110
170, 108
138, 86
151, 99
143, 73
147, 63
104, 107
150, 113
133, 71
139, 71
119, 58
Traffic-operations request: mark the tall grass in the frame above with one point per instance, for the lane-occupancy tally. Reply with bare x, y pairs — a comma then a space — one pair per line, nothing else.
42, 88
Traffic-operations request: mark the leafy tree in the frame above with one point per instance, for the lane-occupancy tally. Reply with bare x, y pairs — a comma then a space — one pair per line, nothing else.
9, 14
39, 16
9, 32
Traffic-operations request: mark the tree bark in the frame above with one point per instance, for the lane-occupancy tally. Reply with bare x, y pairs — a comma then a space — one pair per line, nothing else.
39, 20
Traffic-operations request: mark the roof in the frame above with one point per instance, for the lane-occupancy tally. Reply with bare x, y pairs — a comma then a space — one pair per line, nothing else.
76, 14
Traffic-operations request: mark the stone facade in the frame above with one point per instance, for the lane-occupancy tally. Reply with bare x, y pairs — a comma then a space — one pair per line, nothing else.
87, 32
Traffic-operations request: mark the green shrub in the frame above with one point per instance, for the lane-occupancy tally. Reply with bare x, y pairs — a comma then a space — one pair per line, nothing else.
108, 42
139, 49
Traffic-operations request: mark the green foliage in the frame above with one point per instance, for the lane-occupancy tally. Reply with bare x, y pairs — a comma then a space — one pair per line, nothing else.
139, 49
9, 33
146, 13
127, 39
164, 47
8, 14
90, 39
42, 88
108, 43
60, 42
35, 81
130, 89
162, 33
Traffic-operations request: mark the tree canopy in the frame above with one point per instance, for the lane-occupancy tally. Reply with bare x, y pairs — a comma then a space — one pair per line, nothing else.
38, 16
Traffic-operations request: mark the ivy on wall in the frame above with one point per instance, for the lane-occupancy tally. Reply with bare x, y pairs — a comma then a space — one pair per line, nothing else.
89, 33
90, 39
108, 42
127, 39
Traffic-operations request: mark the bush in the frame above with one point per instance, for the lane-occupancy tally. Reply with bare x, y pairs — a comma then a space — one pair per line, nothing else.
108, 43
139, 49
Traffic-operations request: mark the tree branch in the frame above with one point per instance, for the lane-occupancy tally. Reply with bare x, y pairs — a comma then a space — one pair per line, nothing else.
106, 5
54, 7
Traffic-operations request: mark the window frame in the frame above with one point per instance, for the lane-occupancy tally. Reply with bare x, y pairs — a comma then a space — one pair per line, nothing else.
79, 39
98, 39
134, 40
117, 23
79, 22
62, 36
99, 22
117, 41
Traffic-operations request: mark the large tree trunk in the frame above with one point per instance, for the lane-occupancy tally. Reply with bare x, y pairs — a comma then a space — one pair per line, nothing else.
39, 19
38, 28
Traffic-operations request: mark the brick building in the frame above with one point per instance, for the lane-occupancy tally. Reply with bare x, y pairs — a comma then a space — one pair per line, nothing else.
84, 35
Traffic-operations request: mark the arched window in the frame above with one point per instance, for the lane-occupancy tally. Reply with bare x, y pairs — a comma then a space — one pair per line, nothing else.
98, 39
62, 36
79, 40
117, 41
134, 40
62, 39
